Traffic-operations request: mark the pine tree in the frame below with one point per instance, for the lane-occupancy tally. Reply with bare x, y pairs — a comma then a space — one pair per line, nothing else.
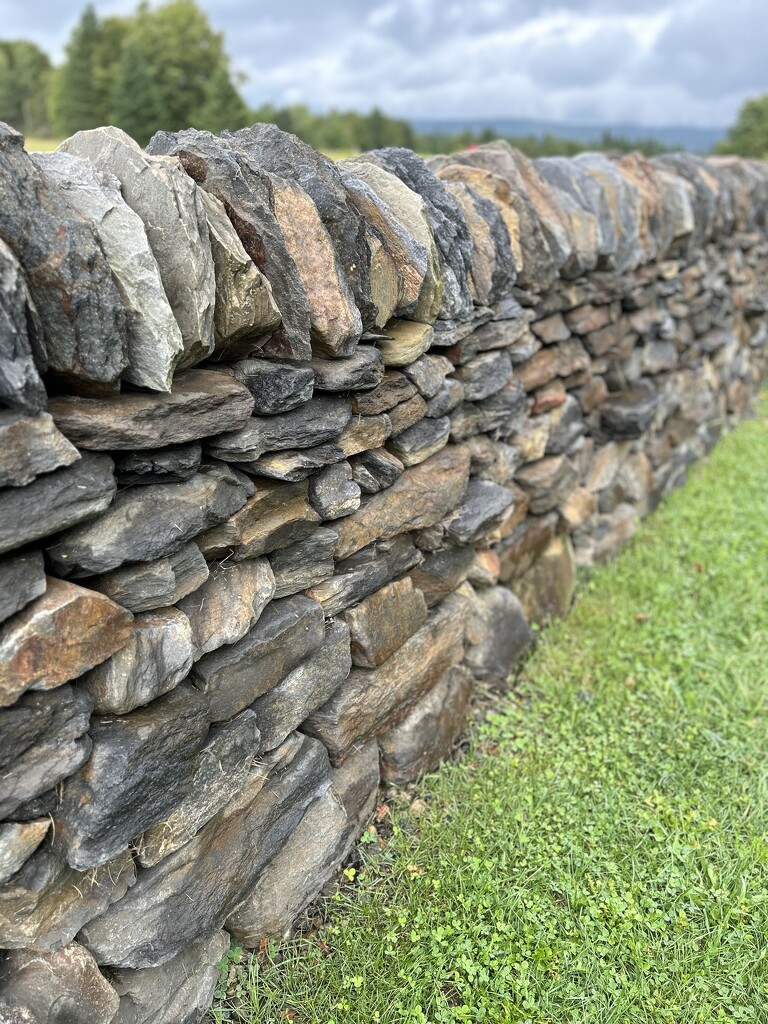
79, 103
134, 104
223, 106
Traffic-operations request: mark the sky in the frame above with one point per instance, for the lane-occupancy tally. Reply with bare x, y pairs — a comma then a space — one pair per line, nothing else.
647, 62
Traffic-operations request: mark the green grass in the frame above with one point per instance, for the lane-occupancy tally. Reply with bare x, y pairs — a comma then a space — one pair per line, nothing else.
601, 855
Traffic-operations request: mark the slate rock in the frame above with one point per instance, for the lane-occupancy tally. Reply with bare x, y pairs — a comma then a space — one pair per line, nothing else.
47, 903
372, 700
55, 501
394, 389
179, 992
375, 470
22, 579
294, 465
157, 656
172, 212
245, 314
519, 550
312, 853
547, 482
138, 771
407, 414
421, 441
29, 446
621, 205
363, 370
568, 176
304, 564
246, 192
68, 277
277, 515
418, 498
276, 385
232, 677
448, 398
227, 604
59, 986
383, 621
567, 426
217, 868
427, 735
159, 465
61, 634
220, 769
364, 572
283, 708
364, 433
18, 841
333, 493
546, 590
23, 355
321, 419
485, 504
44, 739
145, 523
404, 341
499, 635
154, 341
148, 585
428, 374
201, 403
441, 572
629, 413
492, 269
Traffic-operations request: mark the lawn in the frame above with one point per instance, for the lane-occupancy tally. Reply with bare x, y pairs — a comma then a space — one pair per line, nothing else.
601, 852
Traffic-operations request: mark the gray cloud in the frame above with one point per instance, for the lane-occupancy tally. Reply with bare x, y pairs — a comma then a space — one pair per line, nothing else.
647, 61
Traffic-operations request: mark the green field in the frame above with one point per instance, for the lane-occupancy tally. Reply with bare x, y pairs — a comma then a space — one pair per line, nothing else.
601, 854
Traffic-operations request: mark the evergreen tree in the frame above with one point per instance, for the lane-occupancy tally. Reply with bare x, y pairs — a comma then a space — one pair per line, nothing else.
749, 135
79, 104
134, 103
24, 74
223, 106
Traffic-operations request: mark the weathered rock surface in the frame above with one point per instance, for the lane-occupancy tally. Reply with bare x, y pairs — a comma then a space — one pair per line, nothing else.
156, 657
221, 768
364, 572
546, 590
498, 634
629, 413
18, 841
333, 493
201, 403
29, 446
483, 508
22, 346
173, 214
234, 676
276, 385
304, 564
312, 853
428, 373
375, 470
485, 374
22, 579
394, 389
159, 465
421, 441
442, 572
154, 341
407, 414
149, 585
69, 279
150, 522
363, 370
364, 433
56, 501
217, 868
138, 771
58, 636
297, 464
404, 341
426, 736
283, 708
58, 987
547, 482
382, 622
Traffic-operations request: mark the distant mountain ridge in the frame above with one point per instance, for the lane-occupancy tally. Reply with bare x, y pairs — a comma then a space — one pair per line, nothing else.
689, 137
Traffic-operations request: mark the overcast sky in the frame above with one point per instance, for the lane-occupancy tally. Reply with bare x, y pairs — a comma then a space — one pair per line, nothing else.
644, 61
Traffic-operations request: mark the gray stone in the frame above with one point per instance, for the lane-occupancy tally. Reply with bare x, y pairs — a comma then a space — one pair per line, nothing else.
498, 634
68, 276
404, 341
428, 374
305, 564
22, 579
173, 214
375, 470
362, 371
333, 493
221, 768
421, 441
364, 433
22, 346
312, 853
154, 341
160, 465
18, 841
566, 426
179, 992
284, 707
223, 608
150, 522
383, 621
427, 735
484, 506
547, 482
394, 389
47, 903
29, 446
319, 420
568, 176
485, 374
407, 414
157, 657
59, 987
446, 400
294, 465
56, 501
201, 403
43, 740
364, 572
208, 877
149, 585
629, 413
140, 768
276, 385
234, 676
441, 572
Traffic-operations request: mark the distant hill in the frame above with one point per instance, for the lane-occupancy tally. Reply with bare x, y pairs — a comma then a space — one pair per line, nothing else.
694, 139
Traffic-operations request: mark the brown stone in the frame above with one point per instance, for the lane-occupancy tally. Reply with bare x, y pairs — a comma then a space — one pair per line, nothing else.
547, 482
551, 329
572, 358
394, 389
406, 414
538, 370
29, 446
442, 572
498, 634
578, 507
405, 341
588, 318
372, 700
603, 340
549, 397
419, 498
519, 551
593, 394
18, 841
144, 586
382, 623
546, 590
531, 442
485, 569
58, 986
606, 465
363, 433
58, 637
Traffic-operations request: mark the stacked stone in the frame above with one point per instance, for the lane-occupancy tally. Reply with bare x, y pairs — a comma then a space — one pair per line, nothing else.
291, 455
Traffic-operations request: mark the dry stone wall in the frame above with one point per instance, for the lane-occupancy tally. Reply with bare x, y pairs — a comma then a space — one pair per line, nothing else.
292, 454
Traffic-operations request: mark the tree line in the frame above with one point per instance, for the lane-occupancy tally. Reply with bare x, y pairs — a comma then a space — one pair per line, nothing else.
165, 67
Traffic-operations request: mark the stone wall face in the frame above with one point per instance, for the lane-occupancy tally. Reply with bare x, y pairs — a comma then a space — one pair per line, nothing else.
291, 455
